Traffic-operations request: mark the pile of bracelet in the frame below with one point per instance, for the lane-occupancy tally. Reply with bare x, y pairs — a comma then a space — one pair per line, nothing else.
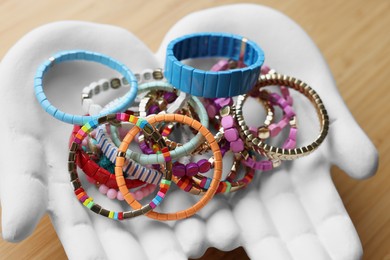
183, 122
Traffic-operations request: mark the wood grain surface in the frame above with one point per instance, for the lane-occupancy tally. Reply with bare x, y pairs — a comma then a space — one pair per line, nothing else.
354, 37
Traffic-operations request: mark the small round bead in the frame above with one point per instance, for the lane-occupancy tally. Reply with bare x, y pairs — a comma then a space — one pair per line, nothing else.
145, 191
119, 196
103, 189
152, 188
138, 195
264, 69
111, 194
84, 142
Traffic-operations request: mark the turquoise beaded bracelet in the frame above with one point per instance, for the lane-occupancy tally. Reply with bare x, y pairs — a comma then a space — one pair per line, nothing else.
87, 56
213, 84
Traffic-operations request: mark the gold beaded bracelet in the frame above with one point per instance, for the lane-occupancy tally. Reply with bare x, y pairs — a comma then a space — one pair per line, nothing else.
278, 153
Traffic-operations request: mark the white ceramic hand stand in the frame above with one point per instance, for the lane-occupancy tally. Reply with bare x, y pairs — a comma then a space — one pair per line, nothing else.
293, 212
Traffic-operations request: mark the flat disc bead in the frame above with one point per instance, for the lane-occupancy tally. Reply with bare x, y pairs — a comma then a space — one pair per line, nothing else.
170, 96
192, 169
179, 169
204, 166
227, 122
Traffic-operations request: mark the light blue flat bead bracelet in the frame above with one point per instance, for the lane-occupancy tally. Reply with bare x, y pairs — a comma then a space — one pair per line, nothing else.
213, 84
87, 56
179, 152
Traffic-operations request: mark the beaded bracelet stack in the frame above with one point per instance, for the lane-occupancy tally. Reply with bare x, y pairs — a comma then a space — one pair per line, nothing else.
170, 125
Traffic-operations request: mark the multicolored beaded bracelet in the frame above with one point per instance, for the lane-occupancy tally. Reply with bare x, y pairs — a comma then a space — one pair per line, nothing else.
217, 165
82, 195
94, 171
288, 153
87, 56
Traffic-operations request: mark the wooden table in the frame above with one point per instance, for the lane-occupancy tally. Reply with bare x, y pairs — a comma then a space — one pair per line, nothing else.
354, 36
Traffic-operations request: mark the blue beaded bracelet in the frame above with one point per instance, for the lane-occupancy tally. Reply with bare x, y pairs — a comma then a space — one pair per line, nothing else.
88, 56
212, 84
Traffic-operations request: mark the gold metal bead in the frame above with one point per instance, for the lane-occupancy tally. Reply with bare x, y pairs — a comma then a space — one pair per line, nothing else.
263, 133
121, 154
225, 111
115, 83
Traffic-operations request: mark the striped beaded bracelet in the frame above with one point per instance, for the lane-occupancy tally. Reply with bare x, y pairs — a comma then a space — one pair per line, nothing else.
89, 202
217, 165
94, 171
87, 56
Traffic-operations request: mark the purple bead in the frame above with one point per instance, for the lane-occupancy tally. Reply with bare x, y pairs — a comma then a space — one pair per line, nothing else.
227, 122
237, 146
267, 165
285, 92
274, 130
289, 100
170, 96
253, 130
221, 102
282, 123
220, 65
231, 134
211, 111
274, 97
192, 169
178, 169
289, 144
249, 162
264, 69
289, 112
283, 103
293, 133
154, 109
204, 166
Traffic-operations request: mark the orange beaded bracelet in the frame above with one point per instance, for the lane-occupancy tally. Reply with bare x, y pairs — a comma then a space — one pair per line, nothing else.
217, 166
